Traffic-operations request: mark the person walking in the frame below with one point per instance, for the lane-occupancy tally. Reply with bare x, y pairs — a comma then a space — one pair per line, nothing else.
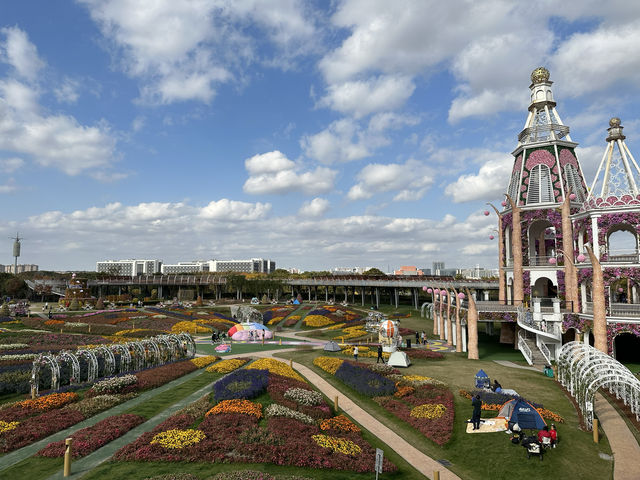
476, 403
355, 352
380, 354
417, 338
423, 337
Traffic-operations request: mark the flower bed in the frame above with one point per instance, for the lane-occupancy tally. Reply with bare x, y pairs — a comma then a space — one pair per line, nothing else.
414, 353
365, 381
36, 406
339, 423
90, 439
178, 438
328, 364
202, 362
227, 366
317, 321
275, 366
231, 432
423, 403
241, 384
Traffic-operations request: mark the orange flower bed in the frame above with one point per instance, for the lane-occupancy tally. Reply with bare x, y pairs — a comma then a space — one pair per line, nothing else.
341, 423
402, 391
54, 322
49, 402
246, 407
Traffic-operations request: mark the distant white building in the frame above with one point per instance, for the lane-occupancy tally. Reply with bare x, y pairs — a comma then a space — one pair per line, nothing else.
478, 272
129, 267
21, 268
185, 267
254, 265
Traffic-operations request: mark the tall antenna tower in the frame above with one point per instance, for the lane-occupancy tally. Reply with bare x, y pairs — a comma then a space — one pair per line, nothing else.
16, 251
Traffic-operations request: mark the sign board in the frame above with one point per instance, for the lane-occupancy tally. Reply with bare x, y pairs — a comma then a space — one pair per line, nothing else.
379, 458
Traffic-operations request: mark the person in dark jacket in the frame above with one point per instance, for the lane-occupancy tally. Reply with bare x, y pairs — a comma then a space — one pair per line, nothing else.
380, 354
476, 403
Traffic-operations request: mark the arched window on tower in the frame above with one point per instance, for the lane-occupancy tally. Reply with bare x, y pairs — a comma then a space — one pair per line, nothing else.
573, 181
540, 188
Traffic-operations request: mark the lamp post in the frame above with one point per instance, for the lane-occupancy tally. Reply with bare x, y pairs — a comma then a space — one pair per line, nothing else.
501, 274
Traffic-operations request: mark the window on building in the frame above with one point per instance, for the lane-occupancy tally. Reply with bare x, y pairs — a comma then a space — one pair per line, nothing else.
540, 187
574, 182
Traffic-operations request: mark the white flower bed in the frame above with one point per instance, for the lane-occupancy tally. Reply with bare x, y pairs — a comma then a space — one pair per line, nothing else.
76, 324
114, 384
301, 396
13, 346
275, 410
24, 356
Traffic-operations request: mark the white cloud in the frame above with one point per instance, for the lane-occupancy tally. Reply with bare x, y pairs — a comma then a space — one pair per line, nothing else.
489, 183
314, 208
273, 172
20, 53
57, 141
360, 98
477, 248
390, 121
8, 187
231, 210
411, 180
9, 165
184, 50
270, 162
67, 92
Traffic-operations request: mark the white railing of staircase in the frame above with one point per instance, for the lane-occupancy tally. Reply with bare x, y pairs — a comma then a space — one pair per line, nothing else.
545, 352
524, 348
550, 329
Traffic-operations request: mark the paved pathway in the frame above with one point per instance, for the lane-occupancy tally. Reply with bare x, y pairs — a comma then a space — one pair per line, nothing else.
506, 363
626, 452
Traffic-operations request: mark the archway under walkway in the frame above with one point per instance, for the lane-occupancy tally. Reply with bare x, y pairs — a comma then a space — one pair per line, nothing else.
626, 347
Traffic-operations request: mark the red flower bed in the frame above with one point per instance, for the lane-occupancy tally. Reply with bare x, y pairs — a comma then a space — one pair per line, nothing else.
36, 428
437, 429
90, 439
159, 376
279, 384
419, 353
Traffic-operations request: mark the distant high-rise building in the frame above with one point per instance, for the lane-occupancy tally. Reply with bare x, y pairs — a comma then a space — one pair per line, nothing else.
408, 270
20, 269
437, 268
254, 265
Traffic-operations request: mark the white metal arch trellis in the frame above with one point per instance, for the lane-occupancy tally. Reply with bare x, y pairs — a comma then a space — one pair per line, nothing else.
189, 345
75, 365
92, 363
125, 356
41, 361
108, 359
138, 355
582, 370
167, 347
152, 352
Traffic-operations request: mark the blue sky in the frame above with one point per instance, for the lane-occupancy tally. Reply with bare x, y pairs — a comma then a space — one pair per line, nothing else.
318, 134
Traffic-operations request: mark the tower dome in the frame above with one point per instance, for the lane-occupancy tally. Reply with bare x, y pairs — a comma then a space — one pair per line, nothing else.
540, 75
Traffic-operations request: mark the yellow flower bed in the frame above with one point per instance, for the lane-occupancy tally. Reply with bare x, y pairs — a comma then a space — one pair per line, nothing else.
201, 362
340, 422
317, 321
429, 410
277, 367
351, 332
337, 444
337, 326
328, 364
6, 426
122, 333
226, 366
246, 407
178, 438
189, 327
275, 320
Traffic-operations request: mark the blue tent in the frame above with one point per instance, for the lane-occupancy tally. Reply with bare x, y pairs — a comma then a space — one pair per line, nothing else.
296, 302
482, 379
523, 413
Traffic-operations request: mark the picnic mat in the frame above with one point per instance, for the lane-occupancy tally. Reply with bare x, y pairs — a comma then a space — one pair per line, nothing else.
488, 425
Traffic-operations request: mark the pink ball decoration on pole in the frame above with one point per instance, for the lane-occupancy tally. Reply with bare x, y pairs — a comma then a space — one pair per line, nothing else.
461, 296
581, 258
424, 289
443, 293
491, 237
553, 260
620, 289
486, 213
429, 290
503, 203
572, 196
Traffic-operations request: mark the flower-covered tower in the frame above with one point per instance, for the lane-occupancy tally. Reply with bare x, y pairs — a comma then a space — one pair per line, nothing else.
609, 222
545, 170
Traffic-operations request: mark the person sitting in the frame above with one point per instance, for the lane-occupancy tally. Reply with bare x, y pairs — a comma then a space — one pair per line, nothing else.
496, 387
554, 436
544, 436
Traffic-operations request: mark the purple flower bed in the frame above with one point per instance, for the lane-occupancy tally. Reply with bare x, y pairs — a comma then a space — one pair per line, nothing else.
365, 381
241, 384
